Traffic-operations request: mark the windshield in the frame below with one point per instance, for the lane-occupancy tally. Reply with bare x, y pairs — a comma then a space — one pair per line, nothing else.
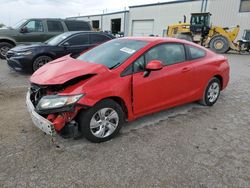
112, 53
18, 24
57, 39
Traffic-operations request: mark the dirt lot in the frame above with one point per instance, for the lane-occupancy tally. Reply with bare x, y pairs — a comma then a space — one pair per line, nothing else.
189, 146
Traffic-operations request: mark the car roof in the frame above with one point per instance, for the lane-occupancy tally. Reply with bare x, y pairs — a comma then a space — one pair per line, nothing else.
164, 39
154, 39
82, 32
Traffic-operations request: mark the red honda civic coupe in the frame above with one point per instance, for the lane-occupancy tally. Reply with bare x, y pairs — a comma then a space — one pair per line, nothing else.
121, 80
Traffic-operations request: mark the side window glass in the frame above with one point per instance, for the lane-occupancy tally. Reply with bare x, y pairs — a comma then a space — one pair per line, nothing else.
139, 64
34, 26
78, 40
73, 25
196, 53
55, 26
168, 54
97, 38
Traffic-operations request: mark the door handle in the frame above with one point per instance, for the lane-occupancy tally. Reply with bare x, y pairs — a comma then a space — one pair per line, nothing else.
186, 69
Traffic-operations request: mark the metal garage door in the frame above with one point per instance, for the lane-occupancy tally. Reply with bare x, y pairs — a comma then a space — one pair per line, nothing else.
142, 27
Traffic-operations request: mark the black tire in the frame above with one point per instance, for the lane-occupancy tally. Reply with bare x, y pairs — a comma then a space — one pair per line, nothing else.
219, 44
85, 116
40, 61
184, 37
206, 99
4, 47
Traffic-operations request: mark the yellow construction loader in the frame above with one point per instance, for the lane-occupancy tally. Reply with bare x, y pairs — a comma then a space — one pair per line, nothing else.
200, 30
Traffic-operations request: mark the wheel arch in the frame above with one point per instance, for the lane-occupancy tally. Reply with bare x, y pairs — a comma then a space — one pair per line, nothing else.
8, 41
116, 99
44, 54
220, 78
119, 101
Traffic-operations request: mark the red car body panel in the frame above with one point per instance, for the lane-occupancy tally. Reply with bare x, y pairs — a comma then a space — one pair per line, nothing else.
64, 69
171, 86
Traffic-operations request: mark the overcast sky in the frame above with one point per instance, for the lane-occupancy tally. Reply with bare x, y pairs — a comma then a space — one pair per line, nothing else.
11, 11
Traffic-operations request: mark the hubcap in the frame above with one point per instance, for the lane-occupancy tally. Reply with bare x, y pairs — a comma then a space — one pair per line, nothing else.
213, 92
104, 122
4, 50
219, 44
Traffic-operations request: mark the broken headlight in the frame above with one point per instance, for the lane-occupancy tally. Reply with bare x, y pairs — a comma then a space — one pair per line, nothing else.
57, 101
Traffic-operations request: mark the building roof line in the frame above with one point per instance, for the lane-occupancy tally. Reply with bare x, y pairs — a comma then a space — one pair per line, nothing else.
162, 3
124, 11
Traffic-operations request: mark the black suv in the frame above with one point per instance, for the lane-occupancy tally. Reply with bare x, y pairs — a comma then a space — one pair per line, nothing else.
37, 30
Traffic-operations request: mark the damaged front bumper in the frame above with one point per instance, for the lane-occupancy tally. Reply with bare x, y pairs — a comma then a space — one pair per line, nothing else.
42, 123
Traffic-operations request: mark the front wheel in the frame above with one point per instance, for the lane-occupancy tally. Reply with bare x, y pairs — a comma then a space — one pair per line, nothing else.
40, 61
212, 92
4, 48
101, 122
219, 44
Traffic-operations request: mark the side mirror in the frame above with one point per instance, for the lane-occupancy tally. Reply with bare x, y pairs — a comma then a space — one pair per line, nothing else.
24, 30
66, 44
153, 65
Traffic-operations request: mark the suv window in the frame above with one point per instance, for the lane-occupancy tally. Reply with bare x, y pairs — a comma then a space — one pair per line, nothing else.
55, 26
168, 54
35, 26
98, 38
78, 40
196, 53
73, 25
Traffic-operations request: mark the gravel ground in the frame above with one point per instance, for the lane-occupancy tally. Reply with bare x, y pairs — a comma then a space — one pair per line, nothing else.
188, 146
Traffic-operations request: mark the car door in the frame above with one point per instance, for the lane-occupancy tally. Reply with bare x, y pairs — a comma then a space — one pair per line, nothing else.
33, 31
76, 44
172, 85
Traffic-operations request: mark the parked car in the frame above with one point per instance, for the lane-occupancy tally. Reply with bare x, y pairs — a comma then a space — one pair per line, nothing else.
37, 30
29, 58
121, 80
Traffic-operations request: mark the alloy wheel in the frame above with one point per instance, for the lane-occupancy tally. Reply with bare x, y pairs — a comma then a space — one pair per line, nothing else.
213, 92
104, 122
4, 50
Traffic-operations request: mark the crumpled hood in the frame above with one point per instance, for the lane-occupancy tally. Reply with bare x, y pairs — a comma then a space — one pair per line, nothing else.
64, 69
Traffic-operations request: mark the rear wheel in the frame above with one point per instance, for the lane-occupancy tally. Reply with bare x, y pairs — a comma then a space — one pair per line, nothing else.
212, 92
219, 44
101, 122
40, 61
4, 48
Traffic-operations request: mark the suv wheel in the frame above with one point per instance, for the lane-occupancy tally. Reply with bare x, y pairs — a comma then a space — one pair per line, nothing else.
101, 122
4, 48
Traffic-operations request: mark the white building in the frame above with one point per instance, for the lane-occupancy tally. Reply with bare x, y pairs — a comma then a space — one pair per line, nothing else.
144, 20
228, 13
154, 18
115, 22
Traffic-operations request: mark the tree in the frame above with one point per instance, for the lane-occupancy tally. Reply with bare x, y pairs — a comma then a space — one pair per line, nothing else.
1, 25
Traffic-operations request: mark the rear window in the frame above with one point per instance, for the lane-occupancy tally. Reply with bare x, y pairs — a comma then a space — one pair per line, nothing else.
98, 38
73, 25
55, 26
196, 53
78, 40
